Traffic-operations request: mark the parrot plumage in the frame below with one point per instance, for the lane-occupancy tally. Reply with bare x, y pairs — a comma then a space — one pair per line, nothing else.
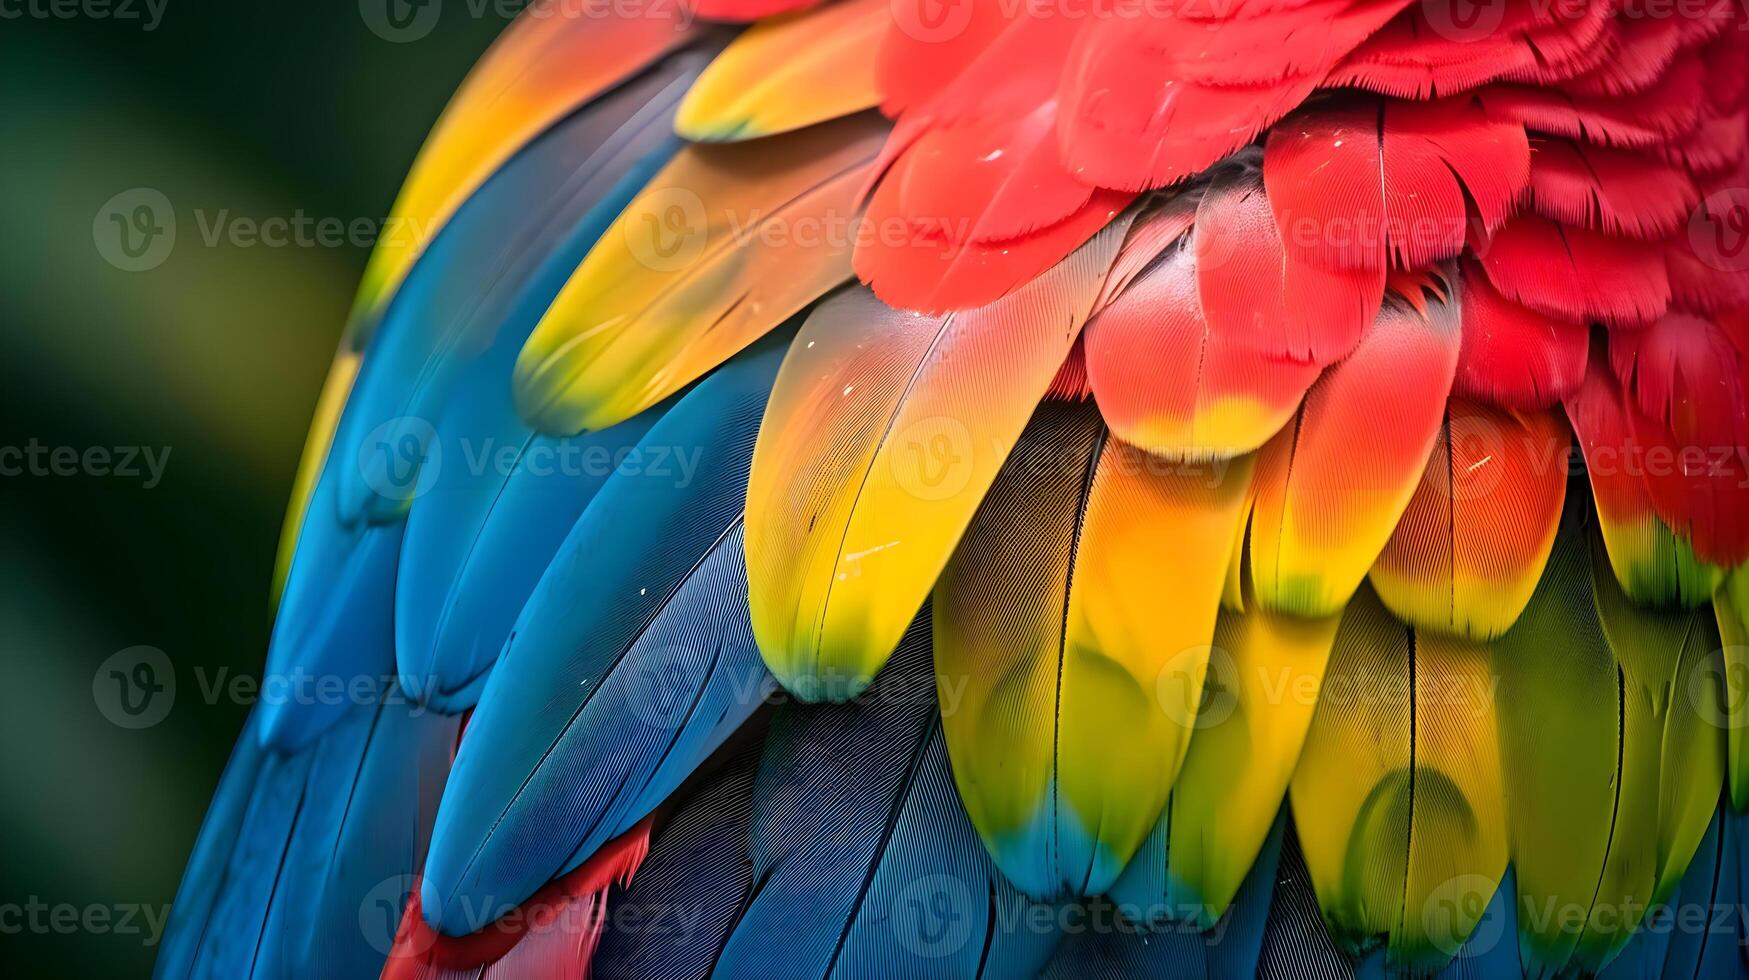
976, 489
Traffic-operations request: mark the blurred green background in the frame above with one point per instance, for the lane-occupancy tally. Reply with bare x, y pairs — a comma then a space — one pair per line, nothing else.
233, 111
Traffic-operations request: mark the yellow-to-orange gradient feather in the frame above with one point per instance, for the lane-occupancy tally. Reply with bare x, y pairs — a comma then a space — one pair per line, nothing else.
788, 72
884, 431
1332, 485
724, 243
1471, 545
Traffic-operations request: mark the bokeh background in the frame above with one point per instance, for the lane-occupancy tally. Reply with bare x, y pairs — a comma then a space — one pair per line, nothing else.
234, 111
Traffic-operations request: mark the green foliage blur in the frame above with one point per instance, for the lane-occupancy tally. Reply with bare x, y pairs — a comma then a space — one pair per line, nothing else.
237, 113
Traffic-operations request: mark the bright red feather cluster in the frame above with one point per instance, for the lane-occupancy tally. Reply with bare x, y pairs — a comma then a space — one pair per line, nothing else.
1583, 163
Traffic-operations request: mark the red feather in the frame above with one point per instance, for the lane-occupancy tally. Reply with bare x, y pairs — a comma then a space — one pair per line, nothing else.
1716, 143
1166, 379
1512, 356
1131, 120
1432, 50
1014, 74
1616, 191
1709, 266
986, 183
966, 214
1574, 274
1657, 115
1378, 179
1701, 491
1690, 375
1260, 296
930, 44
1695, 484
553, 934
1647, 46
741, 11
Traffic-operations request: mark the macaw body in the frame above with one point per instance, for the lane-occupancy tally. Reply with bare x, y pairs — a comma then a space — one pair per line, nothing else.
877, 488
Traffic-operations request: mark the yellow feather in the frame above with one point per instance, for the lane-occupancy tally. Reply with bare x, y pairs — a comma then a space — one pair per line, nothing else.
1397, 797
883, 433
1264, 676
724, 243
789, 72
1070, 655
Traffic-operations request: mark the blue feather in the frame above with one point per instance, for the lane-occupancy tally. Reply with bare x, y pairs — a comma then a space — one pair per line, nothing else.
1296, 946
296, 844
336, 622
1491, 950
471, 297
237, 863
480, 278
670, 924
1700, 933
479, 536
204, 880
1177, 951
632, 661
347, 900
864, 862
